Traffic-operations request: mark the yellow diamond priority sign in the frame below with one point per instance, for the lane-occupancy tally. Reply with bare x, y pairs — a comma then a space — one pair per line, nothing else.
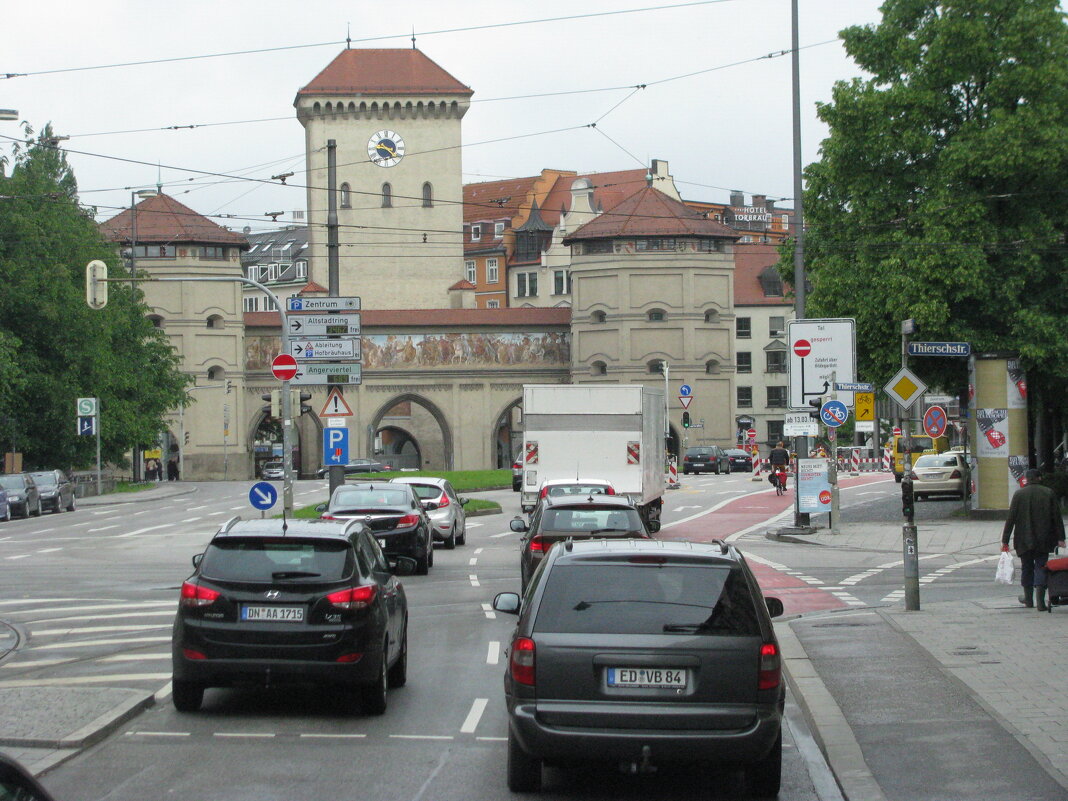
905, 387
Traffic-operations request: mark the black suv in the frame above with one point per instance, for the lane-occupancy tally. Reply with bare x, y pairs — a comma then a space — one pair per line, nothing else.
706, 458
640, 652
304, 602
558, 518
57, 493
23, 497
394, 514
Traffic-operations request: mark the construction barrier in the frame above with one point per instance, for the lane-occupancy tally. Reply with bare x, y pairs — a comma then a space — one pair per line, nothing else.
887, 467
673, 474
756, 468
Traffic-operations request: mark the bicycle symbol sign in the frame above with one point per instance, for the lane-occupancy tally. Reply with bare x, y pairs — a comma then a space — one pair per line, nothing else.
833, 413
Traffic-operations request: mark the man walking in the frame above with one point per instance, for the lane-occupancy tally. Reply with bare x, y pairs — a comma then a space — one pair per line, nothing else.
1036, 526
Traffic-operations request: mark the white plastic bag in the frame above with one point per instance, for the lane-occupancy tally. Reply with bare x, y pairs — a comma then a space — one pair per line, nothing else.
1005, 569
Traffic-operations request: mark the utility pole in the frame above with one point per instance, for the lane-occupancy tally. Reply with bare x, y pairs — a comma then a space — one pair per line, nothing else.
909, 545
337, 471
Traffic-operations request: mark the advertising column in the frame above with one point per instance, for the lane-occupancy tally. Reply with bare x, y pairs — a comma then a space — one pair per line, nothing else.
999, 399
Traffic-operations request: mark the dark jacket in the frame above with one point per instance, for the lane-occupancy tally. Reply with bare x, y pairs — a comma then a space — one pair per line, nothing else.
1035, 517
779, 456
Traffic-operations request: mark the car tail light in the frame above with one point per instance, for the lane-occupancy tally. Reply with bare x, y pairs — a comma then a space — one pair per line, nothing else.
544, 492
522, 661
538, 545
353, 597
443, 501
408, 520
770, 667
354, 657
955, 474
189, 653
913, 476
327, 516
517, 466
609, 490
195, 596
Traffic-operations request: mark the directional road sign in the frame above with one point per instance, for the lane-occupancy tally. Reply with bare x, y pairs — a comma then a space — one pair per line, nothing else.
348, 348
284, 367
263, 495
939, 349
934, 421
318, 325
799, 425
833, 413
323, 304
337, 373
86, 426
335, 446
686, 390
86, 407
905, 387
822, 352
864, 406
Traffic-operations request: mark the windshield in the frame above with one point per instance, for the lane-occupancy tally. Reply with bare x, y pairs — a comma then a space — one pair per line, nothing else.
698, 451
275, 559
647, 599
936, 461
12, 482
349, 498
577, 489
595, 519
47, 479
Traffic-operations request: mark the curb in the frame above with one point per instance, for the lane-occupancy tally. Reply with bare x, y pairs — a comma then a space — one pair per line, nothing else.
484, 512
134, 497
92, 732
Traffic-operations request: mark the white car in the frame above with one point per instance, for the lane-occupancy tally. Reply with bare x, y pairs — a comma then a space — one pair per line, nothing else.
573, 487
443, 506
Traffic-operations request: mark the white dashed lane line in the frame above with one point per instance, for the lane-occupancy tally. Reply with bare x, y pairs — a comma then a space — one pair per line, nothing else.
474, 580
472, 561
493, 652
488, 610
478, 706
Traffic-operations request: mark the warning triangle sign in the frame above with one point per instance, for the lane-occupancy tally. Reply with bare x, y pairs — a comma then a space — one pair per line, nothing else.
335, 405
685, 400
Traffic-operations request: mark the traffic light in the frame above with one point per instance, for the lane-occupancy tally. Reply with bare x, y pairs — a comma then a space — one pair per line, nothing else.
229, 386
297, 399
908, 503
816, 404
685, 419
186, 437
96, 284
273, 408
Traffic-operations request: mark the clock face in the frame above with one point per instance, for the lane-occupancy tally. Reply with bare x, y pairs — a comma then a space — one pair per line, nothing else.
385, 148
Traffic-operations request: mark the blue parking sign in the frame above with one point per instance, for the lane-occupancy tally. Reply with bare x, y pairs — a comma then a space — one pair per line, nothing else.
335, 446
296, 304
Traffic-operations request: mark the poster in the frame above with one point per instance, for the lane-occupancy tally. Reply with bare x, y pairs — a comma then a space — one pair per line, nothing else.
993, 436
813, 485
1017, 468
1016, 385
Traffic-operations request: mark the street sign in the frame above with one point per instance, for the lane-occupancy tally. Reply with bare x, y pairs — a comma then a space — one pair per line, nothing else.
348, 348
685, 401
317, 325
86, 426
686, 390
284, 367
799, 425
335, 422
853, 386
322, 304
864, 426
335, 405
262, 495
335, 446
934, 421
311, 373
905, 387
751, 433
822, 352
940, 349
86, 407
833, 413
897, 431
864, 406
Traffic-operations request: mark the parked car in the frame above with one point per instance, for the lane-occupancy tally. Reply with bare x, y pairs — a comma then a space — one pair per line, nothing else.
638, 652
22, 494
517, 472
741, 461
273, 471
940, 474
5, 507
56, 490
394, 514
306, 601
357, 466
443, 506
706, 459
571, 518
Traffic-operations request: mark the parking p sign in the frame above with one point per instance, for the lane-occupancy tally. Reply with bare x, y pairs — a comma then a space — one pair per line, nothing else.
335, 446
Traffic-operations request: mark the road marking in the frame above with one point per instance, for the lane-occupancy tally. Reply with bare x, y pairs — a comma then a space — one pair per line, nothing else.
256, 734
314, 736
158, 734
472, 561
142, 531
475, 525
49, 550
196, 508
474, 580
490, 614
88, 643
493, 652
191, 520
95, 630
38, 663
236, 508
83, 680
97, 607
478, 551
51, 601
17, 556
680, 508
132, 657
422, 736
470, 723
102, 528
502, 534
493, 739
168, 612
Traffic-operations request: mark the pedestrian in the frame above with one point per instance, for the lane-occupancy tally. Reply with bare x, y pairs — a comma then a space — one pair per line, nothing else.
1036, 527
150, 469
172, 469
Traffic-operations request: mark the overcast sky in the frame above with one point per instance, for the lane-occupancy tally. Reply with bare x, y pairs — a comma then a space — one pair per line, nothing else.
723, 129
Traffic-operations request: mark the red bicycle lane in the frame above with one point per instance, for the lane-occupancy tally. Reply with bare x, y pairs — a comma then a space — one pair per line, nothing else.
751, 511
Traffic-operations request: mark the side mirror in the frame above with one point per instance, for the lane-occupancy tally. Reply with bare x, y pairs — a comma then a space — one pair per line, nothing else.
653, 526
17, 782
774, 606
198, 559
404, 566
507, 603
321, 507
518, 525
464, 501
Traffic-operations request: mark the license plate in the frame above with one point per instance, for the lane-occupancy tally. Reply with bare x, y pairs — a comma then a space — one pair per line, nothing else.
661, 678
274, 614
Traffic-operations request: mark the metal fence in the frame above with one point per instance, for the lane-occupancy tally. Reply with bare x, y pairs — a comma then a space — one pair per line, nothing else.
85, 483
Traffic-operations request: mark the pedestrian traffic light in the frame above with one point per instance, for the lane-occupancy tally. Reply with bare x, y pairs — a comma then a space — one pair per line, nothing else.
908, 504
273, 408
816, 404
186, 437
297, 399
685, 419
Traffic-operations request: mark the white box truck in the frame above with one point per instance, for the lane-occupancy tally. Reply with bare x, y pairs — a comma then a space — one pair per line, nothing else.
609, 431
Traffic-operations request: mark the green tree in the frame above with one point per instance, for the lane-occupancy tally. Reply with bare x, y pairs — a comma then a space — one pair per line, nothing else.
939, 193
53, 348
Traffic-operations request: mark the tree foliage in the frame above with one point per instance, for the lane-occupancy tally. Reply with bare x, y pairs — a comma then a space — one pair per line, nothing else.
53, 347
939, 193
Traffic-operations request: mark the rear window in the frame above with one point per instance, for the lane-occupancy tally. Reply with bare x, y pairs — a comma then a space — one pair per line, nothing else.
379, 496
919, 444
698, 451
12, 482
426, 492
277, 559
647, 599
577, 489
936, 461
587, 520
44, 478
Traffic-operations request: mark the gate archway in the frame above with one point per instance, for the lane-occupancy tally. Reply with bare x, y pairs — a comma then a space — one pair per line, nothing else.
414, 416
507, 434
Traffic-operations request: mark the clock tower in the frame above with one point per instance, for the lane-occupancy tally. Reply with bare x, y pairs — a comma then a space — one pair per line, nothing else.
395, 116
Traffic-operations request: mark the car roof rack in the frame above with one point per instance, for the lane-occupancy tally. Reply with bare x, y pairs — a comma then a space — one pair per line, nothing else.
229, 524
724, 548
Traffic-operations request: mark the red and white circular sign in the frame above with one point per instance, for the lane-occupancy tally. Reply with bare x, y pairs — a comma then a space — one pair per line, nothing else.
825, 497
751, 433
284, 367
802, 348
897, 431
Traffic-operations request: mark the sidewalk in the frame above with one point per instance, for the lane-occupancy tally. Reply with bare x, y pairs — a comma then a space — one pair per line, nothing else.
960, 699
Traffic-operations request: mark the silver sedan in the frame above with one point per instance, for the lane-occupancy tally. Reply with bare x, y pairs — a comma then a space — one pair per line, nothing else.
443, 506
940, 474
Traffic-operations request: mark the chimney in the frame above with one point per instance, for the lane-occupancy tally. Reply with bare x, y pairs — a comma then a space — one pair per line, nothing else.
760, 200
737, 197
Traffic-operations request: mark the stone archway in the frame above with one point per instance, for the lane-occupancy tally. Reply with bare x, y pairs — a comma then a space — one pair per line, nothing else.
264, 443
506, 436
399, 413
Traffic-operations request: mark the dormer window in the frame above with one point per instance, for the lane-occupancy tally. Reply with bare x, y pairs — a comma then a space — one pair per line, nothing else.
476, 233
498, 230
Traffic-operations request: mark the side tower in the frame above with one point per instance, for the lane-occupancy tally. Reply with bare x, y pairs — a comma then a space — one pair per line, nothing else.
395, 116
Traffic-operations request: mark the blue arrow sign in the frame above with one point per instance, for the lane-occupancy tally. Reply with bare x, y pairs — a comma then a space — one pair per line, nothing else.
940, 349
833, 413
335, 446
686, 390
263, 495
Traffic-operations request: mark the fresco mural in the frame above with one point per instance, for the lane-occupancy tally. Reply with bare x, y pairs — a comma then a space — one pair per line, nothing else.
407, 351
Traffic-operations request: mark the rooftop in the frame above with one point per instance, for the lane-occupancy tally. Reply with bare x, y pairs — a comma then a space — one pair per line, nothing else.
372, 71
162, 219
649, 212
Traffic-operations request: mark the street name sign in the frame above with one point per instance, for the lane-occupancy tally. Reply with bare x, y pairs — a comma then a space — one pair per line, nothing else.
322, 304
939, 349
310, 373
822, 352
322, 325
799, 425
905, 387
348, 348
853, 386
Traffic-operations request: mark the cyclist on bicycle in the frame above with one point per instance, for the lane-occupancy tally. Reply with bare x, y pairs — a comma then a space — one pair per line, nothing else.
779, 459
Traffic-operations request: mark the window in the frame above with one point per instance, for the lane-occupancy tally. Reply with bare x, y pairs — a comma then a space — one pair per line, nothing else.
598, 368
213, 253
476, 233
215, 321
346, 201
770, 282
526, 285
775, 429
776, 361
469, 270
281, 253
252, 304
776, 326
598, 317
252, 272
776, 397
711, 317
786, 222
744, 361
215, 374
272, 272
709, 245
743, 328
745, 397
498, 230
302, 269
656, 315
493, 304
387, 196
428, 195
154, 252
157, 321
561, 282
492, 274
712, 367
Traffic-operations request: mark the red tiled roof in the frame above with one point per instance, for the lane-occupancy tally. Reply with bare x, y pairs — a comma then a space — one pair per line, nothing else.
369, 71
496, 200
649, 212
463, 283
311, 286
164, 219
457, 318
609, 189
750, 259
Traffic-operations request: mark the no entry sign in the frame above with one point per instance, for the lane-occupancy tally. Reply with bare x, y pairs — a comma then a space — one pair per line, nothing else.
802, 348
284, 367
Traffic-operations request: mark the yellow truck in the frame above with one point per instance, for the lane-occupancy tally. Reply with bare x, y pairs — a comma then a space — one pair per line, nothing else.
921, 443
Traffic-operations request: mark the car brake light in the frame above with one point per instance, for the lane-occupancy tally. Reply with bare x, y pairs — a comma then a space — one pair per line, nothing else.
327, 516
610, 490
189, 653
522, 661
955, 474
443, 501
517, 466
408, 520
538, 544
353, 657
645, 559
544, 492
194, 595
769, 674
353, 597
